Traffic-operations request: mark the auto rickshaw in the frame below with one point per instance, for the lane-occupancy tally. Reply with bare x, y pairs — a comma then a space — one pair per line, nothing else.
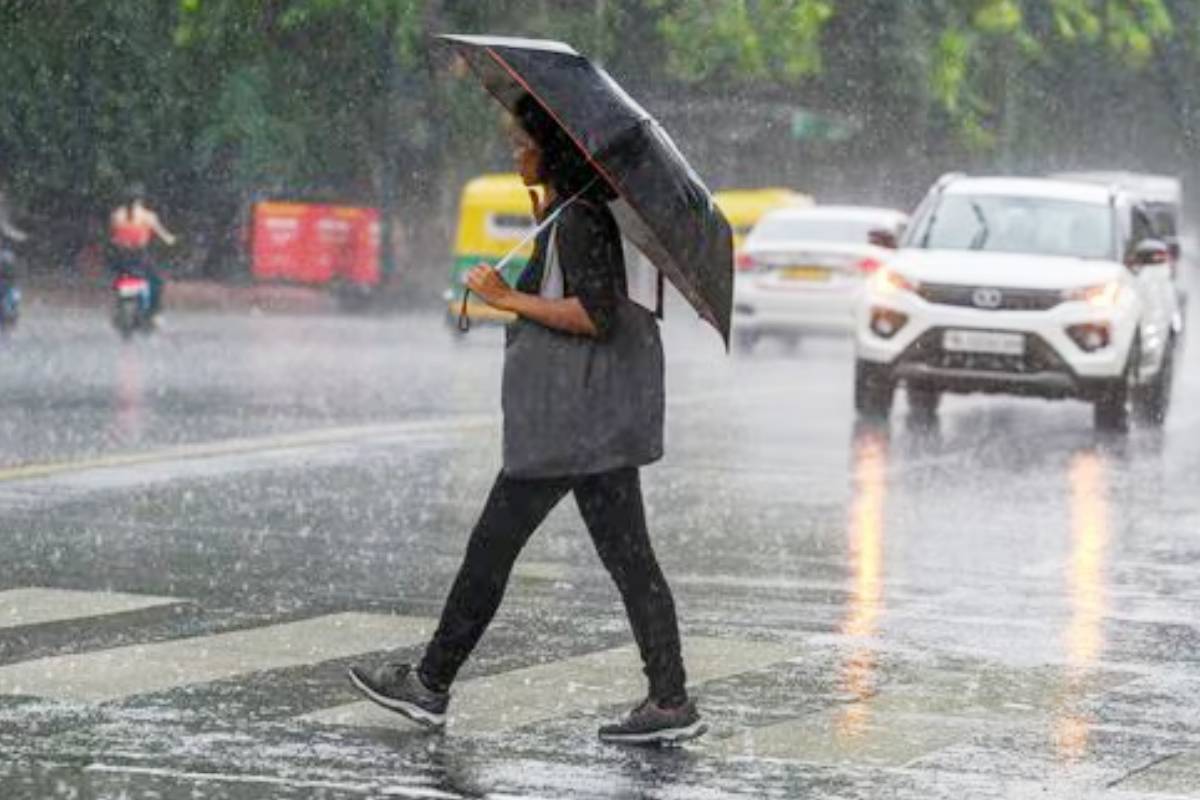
744, 207
494, 215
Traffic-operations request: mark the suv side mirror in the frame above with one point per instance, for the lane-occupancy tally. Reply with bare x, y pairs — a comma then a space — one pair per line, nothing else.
882, 237
1150, 253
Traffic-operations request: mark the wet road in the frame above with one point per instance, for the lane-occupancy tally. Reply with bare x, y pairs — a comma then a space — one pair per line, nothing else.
201, 530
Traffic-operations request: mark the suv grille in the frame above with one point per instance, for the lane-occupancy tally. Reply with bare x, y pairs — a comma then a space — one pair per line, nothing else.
1038, 357
1004, 299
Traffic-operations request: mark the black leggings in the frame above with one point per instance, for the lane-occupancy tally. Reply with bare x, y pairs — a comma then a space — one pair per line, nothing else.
611, 506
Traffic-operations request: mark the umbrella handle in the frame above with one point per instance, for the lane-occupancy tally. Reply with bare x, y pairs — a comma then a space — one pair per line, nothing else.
464, 319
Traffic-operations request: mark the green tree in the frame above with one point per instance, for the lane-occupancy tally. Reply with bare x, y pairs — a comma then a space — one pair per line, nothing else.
988, 54
214, 102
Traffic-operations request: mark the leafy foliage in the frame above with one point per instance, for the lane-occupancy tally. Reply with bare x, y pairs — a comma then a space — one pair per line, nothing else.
211, 102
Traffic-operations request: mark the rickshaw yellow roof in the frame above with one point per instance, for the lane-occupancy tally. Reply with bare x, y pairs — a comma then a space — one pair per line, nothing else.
494, 213
743, 207
498, 192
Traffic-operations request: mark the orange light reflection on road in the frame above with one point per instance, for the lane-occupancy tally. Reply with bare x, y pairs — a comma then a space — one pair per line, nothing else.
1087, 593
866, 553
127, 421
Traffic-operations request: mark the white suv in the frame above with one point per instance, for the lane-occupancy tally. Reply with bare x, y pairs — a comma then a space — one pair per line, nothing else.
1023, 286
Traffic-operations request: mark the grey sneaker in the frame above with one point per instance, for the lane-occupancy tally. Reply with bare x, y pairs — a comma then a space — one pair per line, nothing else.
397, 688
650, 723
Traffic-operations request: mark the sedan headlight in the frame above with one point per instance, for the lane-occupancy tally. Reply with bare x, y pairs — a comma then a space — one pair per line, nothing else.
1102, 295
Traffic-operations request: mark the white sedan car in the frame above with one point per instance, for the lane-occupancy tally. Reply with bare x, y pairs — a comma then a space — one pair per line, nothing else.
801, 270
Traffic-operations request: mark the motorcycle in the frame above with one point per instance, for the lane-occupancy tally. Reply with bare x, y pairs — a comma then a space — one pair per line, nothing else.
10, 306
131, 308
10, 295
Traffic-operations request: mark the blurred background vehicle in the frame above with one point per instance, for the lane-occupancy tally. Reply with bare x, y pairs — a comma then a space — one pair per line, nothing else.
801, 270
1163, 198
10, 293
494, 215
745, 207
317, 245
1161, 194
132, 310
1033, 287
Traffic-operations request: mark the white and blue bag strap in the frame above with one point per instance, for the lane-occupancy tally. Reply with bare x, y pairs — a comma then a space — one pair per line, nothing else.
464, 319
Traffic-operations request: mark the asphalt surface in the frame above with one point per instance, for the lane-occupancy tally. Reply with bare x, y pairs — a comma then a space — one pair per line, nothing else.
203, 528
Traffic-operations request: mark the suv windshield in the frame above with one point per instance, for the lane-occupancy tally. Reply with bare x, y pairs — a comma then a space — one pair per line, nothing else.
1004, 224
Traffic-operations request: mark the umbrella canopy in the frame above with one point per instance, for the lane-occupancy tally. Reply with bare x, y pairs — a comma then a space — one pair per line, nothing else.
662, 205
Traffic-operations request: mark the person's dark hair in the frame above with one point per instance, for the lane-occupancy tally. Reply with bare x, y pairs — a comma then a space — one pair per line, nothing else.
135, 193
563, 165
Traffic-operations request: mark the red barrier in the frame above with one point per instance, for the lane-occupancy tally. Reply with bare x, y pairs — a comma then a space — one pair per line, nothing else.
315, 244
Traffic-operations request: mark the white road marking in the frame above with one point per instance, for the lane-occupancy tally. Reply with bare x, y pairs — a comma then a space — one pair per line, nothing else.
120, 672
553, 571
38, 606
556, 689
248, 446
559, 572
1171, 774
849, 734
375, 790
241, 454
899, 725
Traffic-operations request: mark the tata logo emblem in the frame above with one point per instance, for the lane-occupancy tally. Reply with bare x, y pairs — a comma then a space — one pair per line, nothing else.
987, 298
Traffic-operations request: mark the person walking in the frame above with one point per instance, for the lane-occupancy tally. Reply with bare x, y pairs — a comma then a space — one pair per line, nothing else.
573, 286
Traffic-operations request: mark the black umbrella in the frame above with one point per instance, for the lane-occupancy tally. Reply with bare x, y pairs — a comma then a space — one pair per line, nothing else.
662, 205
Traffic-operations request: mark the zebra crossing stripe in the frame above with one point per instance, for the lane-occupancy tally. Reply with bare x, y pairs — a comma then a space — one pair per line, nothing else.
37, 606
911, 721
578, 684
850, 734
287, 783
146, 668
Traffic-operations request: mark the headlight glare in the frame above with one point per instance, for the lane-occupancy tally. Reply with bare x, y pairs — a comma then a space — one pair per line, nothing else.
887, 281
1101, 295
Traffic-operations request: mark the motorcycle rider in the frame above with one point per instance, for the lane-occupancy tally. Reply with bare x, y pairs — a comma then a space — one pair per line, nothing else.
8, 276
132, 227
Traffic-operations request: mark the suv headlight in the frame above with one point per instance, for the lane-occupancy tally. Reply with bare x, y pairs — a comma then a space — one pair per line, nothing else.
1102, 295
888, 281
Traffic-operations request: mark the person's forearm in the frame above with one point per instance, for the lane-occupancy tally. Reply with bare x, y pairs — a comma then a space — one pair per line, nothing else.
11, 231
165, 235
567, 314
159, 229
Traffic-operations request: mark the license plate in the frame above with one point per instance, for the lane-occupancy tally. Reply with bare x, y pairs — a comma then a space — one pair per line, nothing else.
805, 273
1004, 344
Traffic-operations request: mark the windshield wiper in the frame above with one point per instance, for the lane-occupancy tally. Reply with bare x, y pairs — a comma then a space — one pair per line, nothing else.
981, 237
